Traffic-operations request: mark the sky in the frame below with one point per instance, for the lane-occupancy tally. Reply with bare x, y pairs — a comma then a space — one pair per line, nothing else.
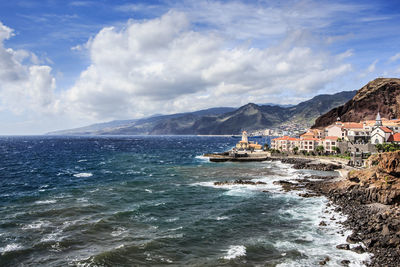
66, 64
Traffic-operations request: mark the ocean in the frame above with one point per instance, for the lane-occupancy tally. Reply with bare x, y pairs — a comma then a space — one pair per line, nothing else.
151, 201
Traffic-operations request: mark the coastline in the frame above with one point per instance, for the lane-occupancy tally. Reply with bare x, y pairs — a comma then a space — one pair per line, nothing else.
373, 219
374, 224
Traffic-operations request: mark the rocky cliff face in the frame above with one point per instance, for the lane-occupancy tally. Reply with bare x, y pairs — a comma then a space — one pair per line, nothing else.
378, 183
382, 94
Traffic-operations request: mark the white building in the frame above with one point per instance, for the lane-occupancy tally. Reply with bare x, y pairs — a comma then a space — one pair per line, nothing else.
380, 134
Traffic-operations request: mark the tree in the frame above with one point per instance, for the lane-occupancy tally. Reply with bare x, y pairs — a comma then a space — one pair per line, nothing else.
336, 149
379, 147
266, 147
295, 149
319, 150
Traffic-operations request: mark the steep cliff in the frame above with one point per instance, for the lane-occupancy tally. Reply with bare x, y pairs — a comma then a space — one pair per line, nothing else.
382, 94
380, 182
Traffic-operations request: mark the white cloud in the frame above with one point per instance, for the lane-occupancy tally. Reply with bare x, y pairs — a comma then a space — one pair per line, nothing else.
372, 67
23, 86
163, 65
395, 58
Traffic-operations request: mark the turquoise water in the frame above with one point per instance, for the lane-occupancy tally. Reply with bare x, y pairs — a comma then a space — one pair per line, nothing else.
149, 201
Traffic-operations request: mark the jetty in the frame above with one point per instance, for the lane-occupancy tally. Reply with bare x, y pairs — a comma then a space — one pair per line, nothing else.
244, 151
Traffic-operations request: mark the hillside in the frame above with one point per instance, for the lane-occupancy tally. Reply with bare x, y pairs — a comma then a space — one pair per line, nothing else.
382, 94
220, 120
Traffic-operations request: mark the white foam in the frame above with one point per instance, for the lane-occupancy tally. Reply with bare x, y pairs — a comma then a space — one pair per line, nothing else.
83, 174
82, 200
54, 236
119, 231
202, 158
36, 225
148, 190
52, 201
11, 247
172, 219
222, 218
318, 241
235, 251
82, 160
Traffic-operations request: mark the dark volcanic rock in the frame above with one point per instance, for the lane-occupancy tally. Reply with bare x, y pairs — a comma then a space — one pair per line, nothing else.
358, 249
343, 246
239, 182
317, 166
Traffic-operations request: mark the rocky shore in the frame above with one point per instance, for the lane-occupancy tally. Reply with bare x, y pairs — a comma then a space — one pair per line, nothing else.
371, 200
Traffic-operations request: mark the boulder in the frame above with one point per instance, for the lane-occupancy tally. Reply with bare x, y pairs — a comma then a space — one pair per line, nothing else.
343, 246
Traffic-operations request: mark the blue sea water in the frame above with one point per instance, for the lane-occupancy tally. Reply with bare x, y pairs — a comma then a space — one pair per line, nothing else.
151, 201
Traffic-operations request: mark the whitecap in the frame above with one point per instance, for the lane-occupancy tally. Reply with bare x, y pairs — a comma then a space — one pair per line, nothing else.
54, 236
82, 160
83, 174
172, 219
119, 231
11, 247
148, 190
52, 201
36, 225
202, 158
82, 200
235, 251
222, 218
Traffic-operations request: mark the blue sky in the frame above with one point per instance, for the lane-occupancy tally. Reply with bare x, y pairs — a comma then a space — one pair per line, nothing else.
66, 64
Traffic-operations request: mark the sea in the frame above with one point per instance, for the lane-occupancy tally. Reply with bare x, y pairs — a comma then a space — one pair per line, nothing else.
151, 201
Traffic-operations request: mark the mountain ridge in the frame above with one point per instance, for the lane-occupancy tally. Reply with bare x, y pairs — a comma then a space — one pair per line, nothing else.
218, 121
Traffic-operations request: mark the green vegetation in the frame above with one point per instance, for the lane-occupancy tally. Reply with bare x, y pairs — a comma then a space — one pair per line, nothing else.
387, 147
319, 150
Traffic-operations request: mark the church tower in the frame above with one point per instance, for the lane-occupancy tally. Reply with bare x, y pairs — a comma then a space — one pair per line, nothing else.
378, 120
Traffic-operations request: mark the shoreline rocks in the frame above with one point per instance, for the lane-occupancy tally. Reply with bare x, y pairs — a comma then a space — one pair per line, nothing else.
239, 182
371, 200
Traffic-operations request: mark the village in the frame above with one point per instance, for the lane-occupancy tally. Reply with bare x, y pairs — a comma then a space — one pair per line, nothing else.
354, 140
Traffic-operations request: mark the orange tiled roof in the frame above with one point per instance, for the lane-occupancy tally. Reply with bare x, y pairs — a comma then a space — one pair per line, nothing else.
386, 129
286, 138
311, 139
331, 137
394, 137
352, 125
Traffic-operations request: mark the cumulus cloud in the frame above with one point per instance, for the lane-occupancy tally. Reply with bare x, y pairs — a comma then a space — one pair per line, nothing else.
163, 65
23, 86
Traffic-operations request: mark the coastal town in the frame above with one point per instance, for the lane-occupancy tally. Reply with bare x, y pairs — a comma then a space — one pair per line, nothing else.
356, 140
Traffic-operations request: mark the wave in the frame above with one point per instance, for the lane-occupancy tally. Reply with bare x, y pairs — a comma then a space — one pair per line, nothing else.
52, 201
235, 252
202, 158
83, 174
11, 247
36, 225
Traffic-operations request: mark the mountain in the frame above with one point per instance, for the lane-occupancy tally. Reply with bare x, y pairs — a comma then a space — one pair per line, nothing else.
382, 94
125, 126
280, 105
217, 121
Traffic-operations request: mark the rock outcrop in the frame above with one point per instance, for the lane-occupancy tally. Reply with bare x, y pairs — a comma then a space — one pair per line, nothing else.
382, 94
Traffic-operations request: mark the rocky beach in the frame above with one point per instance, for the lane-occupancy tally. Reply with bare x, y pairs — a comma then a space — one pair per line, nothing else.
368, 197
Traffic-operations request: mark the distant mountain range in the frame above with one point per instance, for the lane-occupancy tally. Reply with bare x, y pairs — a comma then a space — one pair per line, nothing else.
222, 120
382, 94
